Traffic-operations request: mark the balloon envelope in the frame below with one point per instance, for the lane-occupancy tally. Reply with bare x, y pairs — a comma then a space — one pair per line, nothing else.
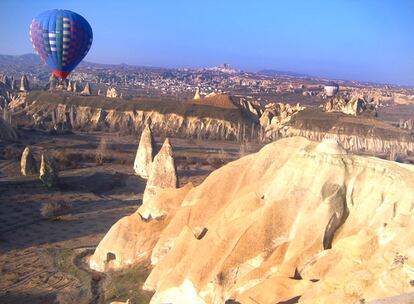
62, 39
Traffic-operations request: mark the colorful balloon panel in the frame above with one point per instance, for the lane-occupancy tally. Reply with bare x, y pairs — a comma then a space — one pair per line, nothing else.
62, 39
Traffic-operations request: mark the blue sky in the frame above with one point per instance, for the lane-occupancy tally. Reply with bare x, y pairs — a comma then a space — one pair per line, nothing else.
363, 40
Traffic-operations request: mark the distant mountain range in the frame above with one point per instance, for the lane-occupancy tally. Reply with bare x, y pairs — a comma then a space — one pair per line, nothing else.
26, 59
284, 73
32, 60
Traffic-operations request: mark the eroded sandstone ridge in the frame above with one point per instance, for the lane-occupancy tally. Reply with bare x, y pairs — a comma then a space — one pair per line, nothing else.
298, 219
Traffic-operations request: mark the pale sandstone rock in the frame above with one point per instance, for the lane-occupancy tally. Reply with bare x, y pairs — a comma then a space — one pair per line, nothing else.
112, 93
24, 84
197, 94
48, 170
145, 153
28, 163
86, 90
312, 222
132, 238
163, 172
263, 225
69, 86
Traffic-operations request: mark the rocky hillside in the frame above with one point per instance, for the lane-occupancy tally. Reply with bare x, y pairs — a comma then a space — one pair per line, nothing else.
218, 117
312, 225
171, 118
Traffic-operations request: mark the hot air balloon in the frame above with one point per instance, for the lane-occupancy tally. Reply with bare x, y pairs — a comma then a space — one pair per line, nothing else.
62, 39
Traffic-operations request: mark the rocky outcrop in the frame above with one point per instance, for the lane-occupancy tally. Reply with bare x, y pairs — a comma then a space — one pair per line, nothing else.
353, 143
53, 82
313, 224
163, 173
49, 174
123, 246
170, 124
197, 94
24, 84
28, 164
112, 92
76, 89
145, 153
277, 115
407, 124
252, 108
352, 106
87, 90
69, 85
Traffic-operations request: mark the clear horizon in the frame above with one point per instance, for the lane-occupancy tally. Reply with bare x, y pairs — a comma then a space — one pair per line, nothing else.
369, 41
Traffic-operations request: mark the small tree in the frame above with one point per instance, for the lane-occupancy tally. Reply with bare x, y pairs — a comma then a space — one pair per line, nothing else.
54, 209
101, 151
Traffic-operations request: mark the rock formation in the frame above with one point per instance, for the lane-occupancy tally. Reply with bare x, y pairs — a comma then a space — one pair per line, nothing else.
407, 124
69, 86
197, 94
87, 90
251, 107
312, 224
277, 115
28, 163
7, 81
15, 85
48, 170
76, 89
352, 106
24, 84
112, 92
53, 82
163, 172
145, 153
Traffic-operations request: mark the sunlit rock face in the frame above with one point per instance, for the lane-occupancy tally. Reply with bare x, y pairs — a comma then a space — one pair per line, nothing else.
112, 93
354, 105
24, 84
86, 90
28, 163
163, 173
298, 219
145, 153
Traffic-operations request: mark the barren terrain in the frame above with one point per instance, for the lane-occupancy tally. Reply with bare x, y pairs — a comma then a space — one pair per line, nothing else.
44, 259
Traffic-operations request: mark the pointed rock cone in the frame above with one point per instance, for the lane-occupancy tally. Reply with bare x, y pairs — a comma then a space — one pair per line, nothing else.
48, 171
87, 90
145, 153
28, 163
24, 84
163, 172
69, 86
197, 94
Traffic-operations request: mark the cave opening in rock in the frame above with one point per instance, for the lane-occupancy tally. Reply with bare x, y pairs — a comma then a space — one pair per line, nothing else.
110, 257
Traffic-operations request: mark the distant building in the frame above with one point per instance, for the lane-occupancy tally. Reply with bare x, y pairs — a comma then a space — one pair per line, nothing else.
331, 89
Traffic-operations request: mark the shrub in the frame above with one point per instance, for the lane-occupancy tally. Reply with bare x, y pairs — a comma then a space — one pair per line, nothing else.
54, 208
101, 151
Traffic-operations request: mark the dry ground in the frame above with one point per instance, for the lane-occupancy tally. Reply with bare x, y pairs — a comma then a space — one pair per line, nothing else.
43, 260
